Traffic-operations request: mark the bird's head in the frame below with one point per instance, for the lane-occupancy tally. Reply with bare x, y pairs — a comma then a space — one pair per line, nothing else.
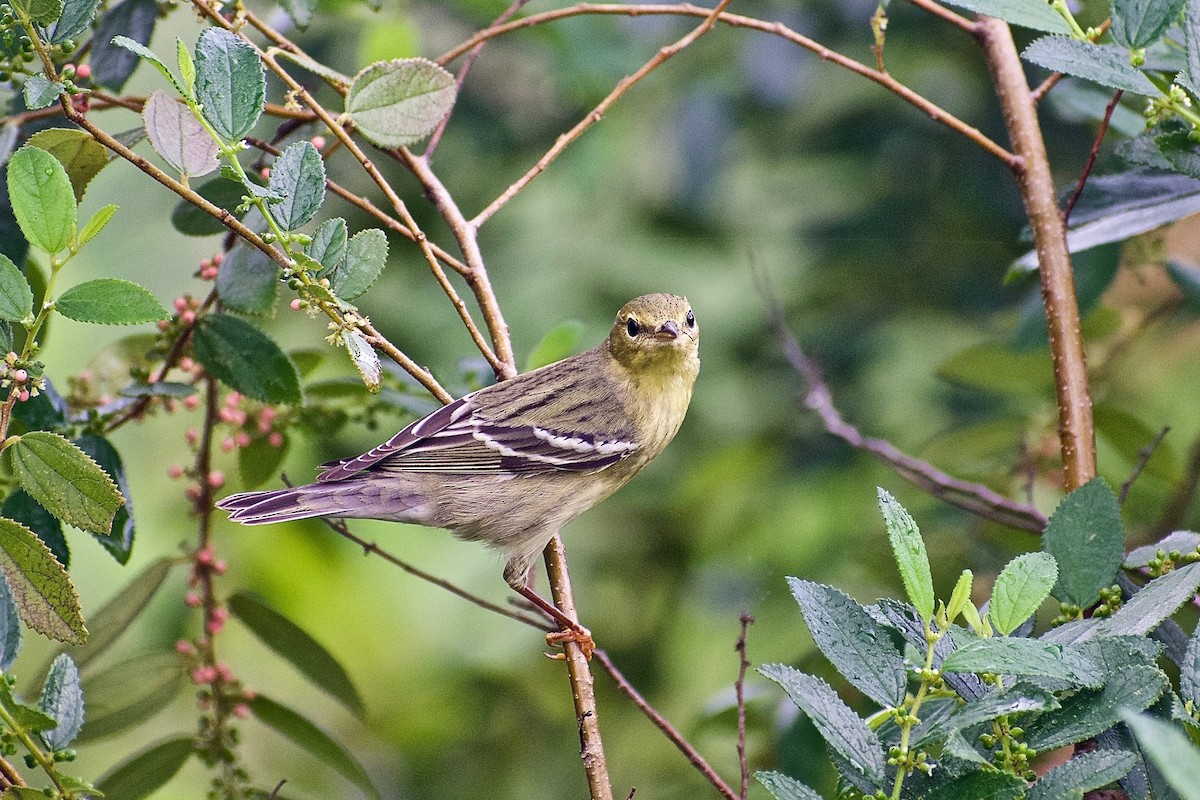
656, 332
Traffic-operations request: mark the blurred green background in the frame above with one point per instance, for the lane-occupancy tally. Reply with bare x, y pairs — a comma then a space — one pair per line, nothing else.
885, 236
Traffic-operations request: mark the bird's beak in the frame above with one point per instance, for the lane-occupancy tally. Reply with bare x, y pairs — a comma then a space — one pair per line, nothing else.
668, 330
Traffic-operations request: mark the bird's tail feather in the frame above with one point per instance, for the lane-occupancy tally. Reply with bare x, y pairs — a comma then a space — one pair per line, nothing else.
315, 500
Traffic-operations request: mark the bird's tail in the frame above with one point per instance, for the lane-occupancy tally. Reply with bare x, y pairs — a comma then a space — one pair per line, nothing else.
342, 499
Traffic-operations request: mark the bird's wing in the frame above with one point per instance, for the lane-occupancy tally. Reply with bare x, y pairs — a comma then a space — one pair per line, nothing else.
457, 438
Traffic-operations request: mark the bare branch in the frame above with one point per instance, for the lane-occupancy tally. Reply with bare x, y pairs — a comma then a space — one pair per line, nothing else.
1144, 456
1091, 159
939, 10
746, 621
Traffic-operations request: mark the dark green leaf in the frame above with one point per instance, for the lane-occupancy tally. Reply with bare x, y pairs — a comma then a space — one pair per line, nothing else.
66, 481
129, 693
43, 12
230, 82
782, 787
314, 740
1033, 14
110, 301
300, 11
856, 644
192, 221
1091, 711
909, 551
178, 136
248, 280
328, 246
258, 462
24, 509
62, 700
1083, 773
1138, 23
42, 199
1171, 751
81, 156
76, 17
41, 92
556, 345
10, 628
40, 586
1019, 590
1087, 539
396, 103
1022, 698
980, 786
1157, 600
366, 254
27, 717
118, 541
243, 358
999, 369
148, 55
299, 176
1130, 436
841, 728
16, 298
1102, 64
111, 64
1017, 656
145, 772
46, 411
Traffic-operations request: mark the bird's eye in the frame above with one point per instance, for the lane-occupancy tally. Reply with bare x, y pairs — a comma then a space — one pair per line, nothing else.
632, 327
691, 319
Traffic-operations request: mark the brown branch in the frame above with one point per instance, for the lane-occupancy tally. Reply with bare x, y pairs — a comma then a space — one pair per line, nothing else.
1091, 159
1036, 184
934, 111
939, 10
664, 725
1144, 456
1045, 86
739, 686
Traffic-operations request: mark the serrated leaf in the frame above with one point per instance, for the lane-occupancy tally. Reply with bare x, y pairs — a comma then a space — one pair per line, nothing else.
118, 541
230, 82
177, 136
853, 642
909, 551
110, 301
62, 701
1106, 65
840, 727
248, 280
132, 20
297, 647
1022, 657
1189, 670
1087, 539
75, 19
1157, 601
1083, 773
314, 740
980, 786
1033, 14
243, 358
1138, 23
16, 298
1022, 698
68, 483
22, 508
27, 717
557, 344
129, 693
1020, 588
81, 155
782, 787
395, 103
366, 255
187, 68
40, 586
10, 628
1090, 711
1170, 750
41, 92
328, 246
1182, 541
97, 223
145, 53
42, 199
43, 12
298, 174
145, 772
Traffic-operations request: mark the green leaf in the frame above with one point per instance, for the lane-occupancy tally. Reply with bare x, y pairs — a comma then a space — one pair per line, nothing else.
1189, 670
314, 740
1106, 65
841, 728
1170, 750
1129, 436
118, 541
41, 92
27, 717
1157, 601
248, 280
366, 254
43, 12
1138, 23
858, 646
1179, 541
1087, 539
1023, 657
22, 508
980, 786
97, 223
10, 628
68, 483
1091, 711
297, 647
40, 586
1022, 698
145, 772
909, 550
131, 20
191, 221
230, 83
243, 358
1085, 772
75, 19
62, 700
160, 389
187, 68
328, 246
16, 298
42, 199
129, 693
81, 155
258, 462
1020, 588
178, 137
395, 103
110, 301
140, 50
556, 345
997, 368
300, 11
298, 174
1033, 14
782, 787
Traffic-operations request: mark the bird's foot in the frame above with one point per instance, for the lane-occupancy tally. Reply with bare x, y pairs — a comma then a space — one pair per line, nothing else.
575, 633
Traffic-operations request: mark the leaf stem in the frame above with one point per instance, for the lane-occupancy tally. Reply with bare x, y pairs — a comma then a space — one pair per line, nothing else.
43, 761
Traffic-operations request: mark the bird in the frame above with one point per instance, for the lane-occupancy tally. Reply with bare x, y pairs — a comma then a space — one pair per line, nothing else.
510, 464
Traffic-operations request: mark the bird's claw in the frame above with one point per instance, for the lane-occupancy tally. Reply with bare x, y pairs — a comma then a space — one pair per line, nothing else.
577, 634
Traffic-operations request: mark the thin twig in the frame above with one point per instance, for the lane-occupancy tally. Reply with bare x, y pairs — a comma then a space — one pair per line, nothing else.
739, 686
664, 725
624, 85
1045, 86
1091, 159
939, 10
1144, 456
